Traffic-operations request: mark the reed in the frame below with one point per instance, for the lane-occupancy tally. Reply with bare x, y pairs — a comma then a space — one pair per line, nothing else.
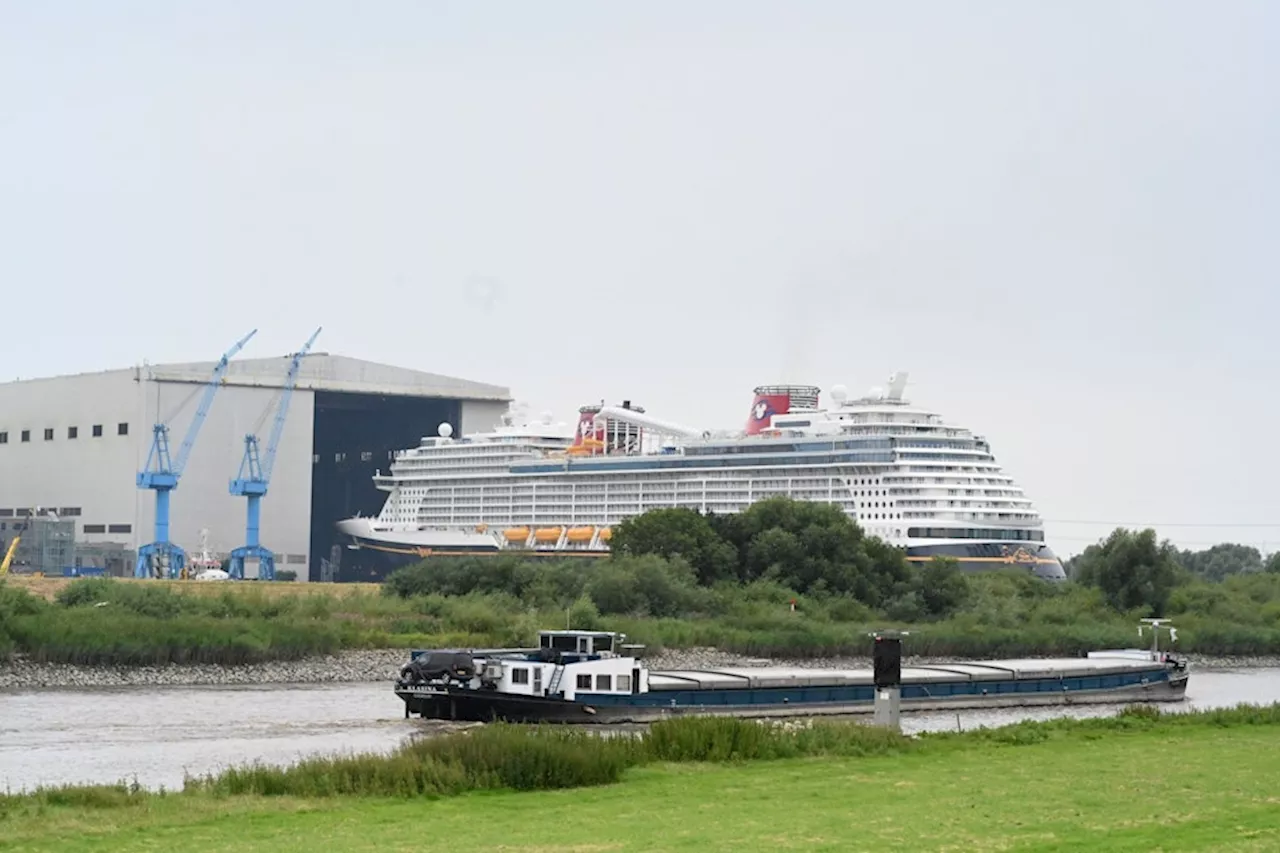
733, 739
493, 757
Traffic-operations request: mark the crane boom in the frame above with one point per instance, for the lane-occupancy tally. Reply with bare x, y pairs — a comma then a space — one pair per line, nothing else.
159, 472
277, 428
206, 400
8, 555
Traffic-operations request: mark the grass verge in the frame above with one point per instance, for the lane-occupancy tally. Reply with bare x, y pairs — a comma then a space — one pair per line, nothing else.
1139, 781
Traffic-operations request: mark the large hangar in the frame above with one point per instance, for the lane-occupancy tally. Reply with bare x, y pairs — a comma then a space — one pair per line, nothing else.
72, 446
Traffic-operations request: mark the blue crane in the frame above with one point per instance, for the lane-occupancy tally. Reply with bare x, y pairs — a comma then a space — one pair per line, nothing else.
162, 558
255, 475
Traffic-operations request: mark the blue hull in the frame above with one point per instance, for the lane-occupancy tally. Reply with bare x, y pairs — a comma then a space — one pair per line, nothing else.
372, 561
986, 556
1158, 684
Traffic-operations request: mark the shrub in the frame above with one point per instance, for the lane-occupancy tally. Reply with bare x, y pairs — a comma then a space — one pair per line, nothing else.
495, 756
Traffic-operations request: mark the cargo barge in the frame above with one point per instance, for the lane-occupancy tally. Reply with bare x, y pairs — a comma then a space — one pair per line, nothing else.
594, 677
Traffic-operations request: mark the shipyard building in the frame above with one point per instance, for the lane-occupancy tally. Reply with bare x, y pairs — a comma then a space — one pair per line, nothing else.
71, 448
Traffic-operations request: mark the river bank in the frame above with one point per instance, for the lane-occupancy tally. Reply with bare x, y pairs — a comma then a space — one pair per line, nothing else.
384, 665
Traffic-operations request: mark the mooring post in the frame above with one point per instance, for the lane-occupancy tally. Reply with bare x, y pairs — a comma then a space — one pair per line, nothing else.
886, 660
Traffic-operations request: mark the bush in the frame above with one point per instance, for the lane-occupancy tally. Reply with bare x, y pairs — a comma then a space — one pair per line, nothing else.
494, 756
645, 586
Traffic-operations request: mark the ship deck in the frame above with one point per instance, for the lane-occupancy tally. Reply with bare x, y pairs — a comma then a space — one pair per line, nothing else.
757, 678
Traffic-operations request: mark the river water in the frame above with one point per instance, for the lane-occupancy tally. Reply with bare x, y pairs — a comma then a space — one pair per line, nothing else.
157, 735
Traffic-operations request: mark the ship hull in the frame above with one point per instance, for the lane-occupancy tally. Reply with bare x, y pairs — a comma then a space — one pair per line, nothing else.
491, 706
988, 556
371, 554
377, 555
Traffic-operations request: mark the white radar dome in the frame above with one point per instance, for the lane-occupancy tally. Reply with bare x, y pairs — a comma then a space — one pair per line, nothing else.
877, 393
446, 430
546, 417
839, 393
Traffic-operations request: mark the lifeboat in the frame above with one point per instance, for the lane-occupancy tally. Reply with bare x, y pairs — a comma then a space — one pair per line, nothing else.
482, 528
548, 534
581, 534
516, 534
605, 534
587, 447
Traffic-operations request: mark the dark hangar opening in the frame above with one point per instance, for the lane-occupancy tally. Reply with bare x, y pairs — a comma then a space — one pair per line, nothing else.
354, 436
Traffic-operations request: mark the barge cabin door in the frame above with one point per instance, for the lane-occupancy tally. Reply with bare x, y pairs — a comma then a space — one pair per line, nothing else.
537, 681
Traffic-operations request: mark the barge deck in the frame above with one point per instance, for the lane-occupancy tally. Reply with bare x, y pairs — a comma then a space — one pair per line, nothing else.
590, 677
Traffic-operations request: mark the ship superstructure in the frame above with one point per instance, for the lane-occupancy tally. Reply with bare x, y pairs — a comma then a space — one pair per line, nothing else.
902, 472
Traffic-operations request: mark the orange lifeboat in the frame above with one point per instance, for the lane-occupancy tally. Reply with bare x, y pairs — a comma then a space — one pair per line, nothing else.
587, 447
548, 534
516, 534
605, 534
581, 534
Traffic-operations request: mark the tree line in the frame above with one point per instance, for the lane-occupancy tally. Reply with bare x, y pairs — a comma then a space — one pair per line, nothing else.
817, 548
665, 560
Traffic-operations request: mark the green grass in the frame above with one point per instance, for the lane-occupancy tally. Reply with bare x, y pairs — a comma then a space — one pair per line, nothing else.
1140, 782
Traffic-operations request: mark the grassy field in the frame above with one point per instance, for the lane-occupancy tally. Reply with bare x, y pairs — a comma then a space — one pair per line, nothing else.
1074, 787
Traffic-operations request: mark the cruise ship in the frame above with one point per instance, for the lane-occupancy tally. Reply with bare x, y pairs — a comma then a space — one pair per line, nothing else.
902, 472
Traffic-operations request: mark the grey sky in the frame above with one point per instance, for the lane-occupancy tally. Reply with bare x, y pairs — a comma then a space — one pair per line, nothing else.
1054, 215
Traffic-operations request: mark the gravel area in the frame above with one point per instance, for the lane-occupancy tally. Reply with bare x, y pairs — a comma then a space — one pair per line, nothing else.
383, 665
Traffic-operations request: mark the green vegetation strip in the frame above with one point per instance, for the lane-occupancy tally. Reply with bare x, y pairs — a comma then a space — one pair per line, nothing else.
1139, 781
677, 579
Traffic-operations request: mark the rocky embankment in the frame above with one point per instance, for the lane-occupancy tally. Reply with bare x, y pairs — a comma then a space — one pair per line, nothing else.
380, 665
383, 665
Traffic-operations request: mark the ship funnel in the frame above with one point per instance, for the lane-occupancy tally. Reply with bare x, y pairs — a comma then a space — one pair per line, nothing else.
773, 400
587, 431
897, 385
610, 429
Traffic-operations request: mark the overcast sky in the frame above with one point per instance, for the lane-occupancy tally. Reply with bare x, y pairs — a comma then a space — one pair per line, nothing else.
1056, 216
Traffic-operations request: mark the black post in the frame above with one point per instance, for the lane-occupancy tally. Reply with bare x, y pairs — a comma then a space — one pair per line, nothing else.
886, 657
886, 660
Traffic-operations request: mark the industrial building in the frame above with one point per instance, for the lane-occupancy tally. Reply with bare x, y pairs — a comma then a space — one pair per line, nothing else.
71, 448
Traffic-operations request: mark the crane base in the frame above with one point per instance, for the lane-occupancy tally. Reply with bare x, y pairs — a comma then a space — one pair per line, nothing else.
160, 560
265, 557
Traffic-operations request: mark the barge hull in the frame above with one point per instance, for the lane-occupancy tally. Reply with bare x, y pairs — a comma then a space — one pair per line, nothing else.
485, 706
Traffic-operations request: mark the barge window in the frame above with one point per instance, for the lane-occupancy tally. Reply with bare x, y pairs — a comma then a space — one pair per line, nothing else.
519, 675
584, 682
624, 684
604, 682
